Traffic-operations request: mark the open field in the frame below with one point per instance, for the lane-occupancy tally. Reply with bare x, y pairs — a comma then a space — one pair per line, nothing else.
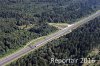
60, 25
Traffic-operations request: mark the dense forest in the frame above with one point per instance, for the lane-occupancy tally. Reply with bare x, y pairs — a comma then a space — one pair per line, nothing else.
17, 15
12, 37
74, 45
33, 11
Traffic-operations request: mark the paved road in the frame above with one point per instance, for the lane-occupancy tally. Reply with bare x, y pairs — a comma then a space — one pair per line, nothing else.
49, 38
